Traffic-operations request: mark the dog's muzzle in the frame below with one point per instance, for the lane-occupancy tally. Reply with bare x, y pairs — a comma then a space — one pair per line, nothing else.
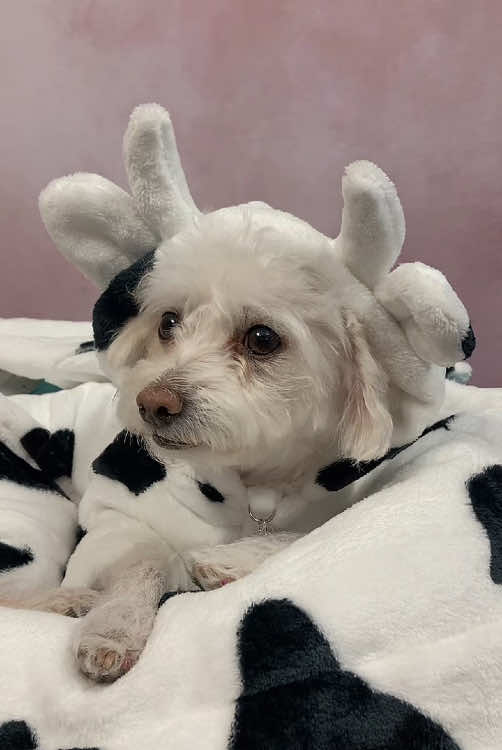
158, 405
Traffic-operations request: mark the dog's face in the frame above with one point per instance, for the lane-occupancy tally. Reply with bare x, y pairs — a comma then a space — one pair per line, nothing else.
243, 350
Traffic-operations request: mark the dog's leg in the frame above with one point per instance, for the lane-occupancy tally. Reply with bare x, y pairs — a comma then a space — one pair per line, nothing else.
112, 636
212, 567
72, 602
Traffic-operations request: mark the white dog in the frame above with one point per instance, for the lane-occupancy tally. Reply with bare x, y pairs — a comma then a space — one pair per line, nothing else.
249, 351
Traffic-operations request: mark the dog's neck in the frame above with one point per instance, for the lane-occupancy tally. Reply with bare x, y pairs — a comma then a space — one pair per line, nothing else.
290, 470
286, 470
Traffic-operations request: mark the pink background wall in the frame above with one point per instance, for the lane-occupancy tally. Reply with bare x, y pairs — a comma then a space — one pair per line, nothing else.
271, 98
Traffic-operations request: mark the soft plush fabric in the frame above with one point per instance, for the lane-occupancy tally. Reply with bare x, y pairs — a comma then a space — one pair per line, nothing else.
62, 352
381, 629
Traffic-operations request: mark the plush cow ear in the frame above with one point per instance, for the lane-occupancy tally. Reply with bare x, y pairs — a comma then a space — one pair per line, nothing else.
95, 225
154, 170
432, 316
373, 227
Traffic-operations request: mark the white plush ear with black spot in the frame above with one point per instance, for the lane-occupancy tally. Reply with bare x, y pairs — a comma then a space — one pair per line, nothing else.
154, 170
102, 229
432, 316
373, 228
95, 225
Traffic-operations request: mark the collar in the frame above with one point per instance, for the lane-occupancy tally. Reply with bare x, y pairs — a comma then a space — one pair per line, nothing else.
343, 472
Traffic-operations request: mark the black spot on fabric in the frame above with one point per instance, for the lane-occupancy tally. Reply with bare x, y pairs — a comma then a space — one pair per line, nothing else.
485, 492
14, 557
16, 735
168, 595
343, 472
211, 492
53, 453
441, 424
449, 371
85, 346
117, 304
79, 534
126, 460
295, 694
469, 342
16, 469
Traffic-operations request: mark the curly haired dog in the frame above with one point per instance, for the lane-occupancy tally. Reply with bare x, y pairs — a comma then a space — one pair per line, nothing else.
248, 351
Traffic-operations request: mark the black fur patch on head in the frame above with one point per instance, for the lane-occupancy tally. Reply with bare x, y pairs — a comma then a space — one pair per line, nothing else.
53, 453
86, 346
211, 492
14, 557
296, 695
126, 460
485, 492
343, 472
16, 469
118, 304
469, 342
16, 735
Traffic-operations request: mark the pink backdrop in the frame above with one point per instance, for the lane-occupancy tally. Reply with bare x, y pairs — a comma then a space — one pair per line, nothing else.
271, 98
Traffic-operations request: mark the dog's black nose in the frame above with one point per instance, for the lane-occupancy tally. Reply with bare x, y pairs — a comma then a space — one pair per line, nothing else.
158, 405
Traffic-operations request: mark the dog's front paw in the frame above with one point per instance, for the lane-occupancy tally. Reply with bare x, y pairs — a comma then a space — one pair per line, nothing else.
104, 659
212, 567
111, 637
210, 577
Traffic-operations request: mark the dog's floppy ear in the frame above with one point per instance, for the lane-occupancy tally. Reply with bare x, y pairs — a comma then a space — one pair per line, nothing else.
95, 225
365, 429
154, 170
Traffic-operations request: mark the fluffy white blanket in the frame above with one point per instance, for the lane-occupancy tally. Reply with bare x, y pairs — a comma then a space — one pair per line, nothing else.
381, 629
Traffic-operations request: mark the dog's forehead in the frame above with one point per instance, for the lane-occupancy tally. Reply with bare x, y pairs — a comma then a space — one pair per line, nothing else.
251, 248
253, 230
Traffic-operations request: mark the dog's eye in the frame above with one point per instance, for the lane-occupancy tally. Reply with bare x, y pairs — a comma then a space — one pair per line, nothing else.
262, 340
168, 322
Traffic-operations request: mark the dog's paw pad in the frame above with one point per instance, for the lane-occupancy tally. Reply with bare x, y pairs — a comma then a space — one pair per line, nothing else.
210, 577
105, 660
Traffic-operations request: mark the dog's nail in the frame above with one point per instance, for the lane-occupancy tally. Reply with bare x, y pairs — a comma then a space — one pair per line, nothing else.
107, 659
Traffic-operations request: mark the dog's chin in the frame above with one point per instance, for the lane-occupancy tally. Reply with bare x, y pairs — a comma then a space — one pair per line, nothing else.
172, 444
199, 452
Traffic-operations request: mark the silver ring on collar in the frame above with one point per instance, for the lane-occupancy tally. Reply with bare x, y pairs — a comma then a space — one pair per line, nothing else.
263, 523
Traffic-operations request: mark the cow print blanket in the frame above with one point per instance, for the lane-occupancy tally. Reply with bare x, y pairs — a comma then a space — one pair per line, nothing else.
382, 629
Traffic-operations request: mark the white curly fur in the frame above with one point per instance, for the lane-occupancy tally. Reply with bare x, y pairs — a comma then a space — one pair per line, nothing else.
352, 374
